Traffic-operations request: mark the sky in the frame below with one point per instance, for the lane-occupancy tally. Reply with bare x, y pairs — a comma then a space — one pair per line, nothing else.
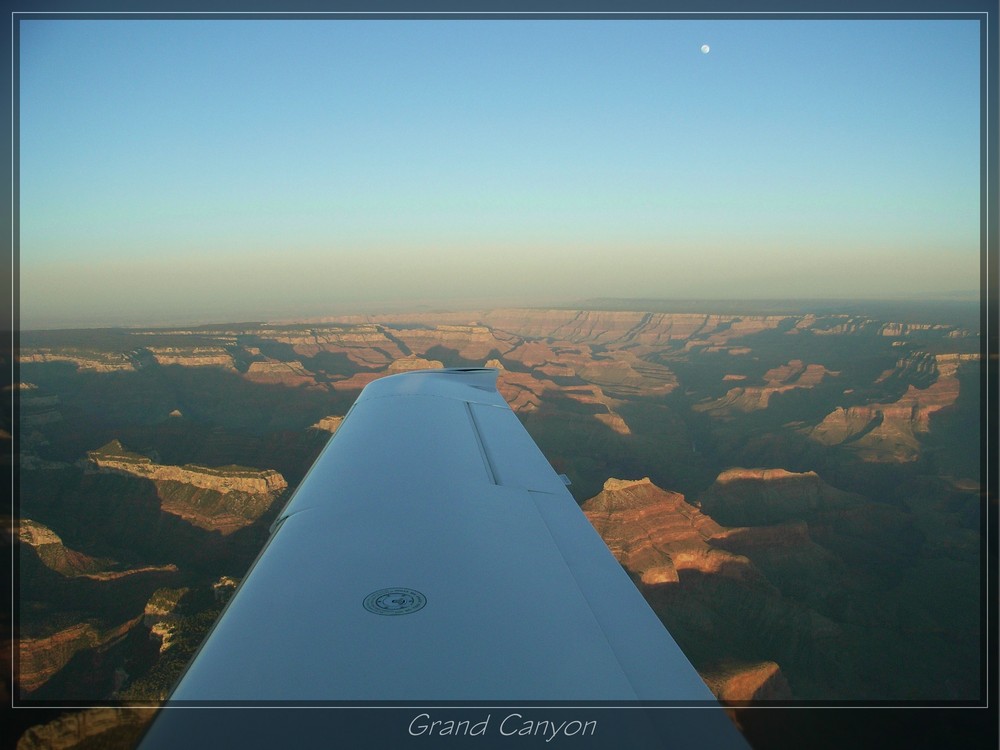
220, 170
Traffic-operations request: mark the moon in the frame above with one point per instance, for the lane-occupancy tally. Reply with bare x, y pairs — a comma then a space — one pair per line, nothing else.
705, 49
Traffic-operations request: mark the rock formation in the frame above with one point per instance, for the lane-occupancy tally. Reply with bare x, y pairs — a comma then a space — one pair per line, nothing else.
757, 497
470, 342
890, 432
917, 368
525, 393
41, 657
408, 363
411, 363
275, 372
357, 381
618, 372
366, 345
223, 498
897, 330
781, 379
81, 728
655, 534
743, 683
640, 332
54, 554
39, 408
160, 614
328, 424
623, 374
195, 356
115, 457
224, 588
84, 361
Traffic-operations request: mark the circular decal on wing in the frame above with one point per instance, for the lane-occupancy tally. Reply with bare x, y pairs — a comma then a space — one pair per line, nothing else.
395, 601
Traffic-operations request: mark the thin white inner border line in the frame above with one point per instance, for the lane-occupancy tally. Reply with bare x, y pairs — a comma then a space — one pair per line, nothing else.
982, 16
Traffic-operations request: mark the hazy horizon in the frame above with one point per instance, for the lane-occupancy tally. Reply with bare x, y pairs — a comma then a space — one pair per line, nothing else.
185, 171
963, 309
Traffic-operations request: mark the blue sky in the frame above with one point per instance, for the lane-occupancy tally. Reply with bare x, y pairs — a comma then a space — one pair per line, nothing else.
178, 170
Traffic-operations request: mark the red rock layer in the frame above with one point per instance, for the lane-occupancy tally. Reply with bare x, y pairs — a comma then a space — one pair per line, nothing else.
643, 332
889, 432
221, 499
96, 362
365, 345
750, 682
411, 363
53, 553
72, 730
404, 364
525, 393
522, 390
115, 457
471, 342
755, 497
655, 533
198, 356
274, 372
40, 658
328, 424
781, 379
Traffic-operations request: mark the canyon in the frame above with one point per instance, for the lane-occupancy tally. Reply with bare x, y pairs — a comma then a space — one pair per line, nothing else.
797, 495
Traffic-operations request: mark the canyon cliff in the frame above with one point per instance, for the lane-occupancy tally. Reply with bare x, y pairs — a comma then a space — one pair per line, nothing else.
792, 376
655, 534
890, 432
222, 498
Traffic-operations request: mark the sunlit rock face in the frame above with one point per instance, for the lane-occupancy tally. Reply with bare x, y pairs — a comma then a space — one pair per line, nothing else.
196, 356
620, 373
470, 342
273, 372
115, 457
365, 344
890, 432
641, 332
160, 615
525, 392
654, 533
76, 730
328, 424
84, 361
53, 553
754, 497
743, 683
411, 363
222, 498
70, 563
42, 657
796, 374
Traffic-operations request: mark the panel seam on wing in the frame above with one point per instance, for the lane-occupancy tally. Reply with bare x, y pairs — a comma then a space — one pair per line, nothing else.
480, 443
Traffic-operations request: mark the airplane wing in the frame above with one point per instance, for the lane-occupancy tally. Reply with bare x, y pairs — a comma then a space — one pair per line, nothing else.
433, 554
